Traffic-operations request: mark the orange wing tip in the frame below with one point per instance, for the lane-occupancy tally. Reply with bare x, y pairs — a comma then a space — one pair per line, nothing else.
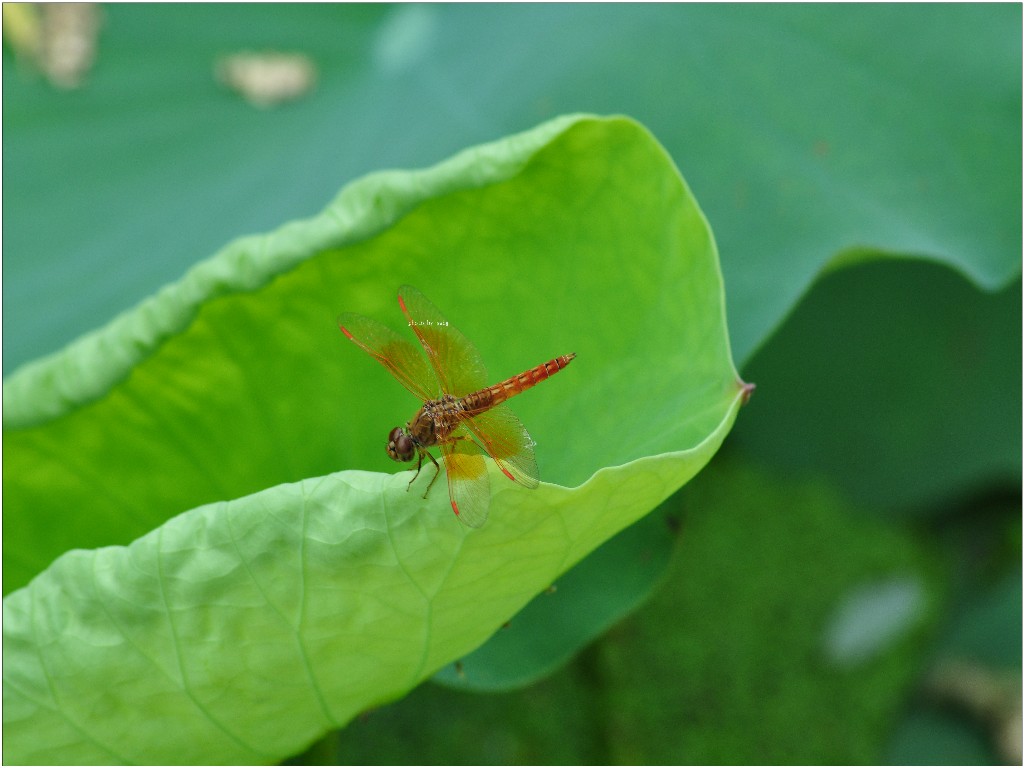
508, 474
345, 331
455, 508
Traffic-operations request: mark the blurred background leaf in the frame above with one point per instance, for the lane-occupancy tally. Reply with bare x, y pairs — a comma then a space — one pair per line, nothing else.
887, 371
814, 137
153, 164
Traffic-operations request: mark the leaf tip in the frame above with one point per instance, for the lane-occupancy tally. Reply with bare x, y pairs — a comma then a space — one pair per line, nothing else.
748, 390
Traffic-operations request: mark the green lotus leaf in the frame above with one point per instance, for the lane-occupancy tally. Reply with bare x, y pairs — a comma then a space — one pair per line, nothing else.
585, 602
294, 595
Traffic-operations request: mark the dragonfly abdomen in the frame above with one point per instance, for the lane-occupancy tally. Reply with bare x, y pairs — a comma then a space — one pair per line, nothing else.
502, 391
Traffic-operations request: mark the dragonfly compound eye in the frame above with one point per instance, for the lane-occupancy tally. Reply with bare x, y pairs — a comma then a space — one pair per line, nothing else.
400, 445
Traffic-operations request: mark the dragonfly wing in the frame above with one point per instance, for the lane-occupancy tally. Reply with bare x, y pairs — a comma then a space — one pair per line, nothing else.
506, 440
468, 486
400, 356
456, 361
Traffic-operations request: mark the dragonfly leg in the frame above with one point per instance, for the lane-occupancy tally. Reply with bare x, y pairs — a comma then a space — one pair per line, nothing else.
438, 472
419, 465
438, 466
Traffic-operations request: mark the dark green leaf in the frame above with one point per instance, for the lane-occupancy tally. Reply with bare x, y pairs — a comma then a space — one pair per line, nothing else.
899, 380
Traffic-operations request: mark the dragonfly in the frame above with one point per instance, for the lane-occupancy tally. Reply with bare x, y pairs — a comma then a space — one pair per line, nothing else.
461, 415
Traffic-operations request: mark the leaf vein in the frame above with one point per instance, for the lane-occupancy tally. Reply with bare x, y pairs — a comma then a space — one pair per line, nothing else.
60, 709
175, 643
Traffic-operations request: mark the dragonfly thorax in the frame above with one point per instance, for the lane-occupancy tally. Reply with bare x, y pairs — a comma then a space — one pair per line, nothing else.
431, 425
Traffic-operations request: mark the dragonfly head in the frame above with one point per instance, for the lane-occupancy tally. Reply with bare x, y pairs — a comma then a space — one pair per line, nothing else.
400, 445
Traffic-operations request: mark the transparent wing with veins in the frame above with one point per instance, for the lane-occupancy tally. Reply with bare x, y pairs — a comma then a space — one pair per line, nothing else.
454, 358
506, 440
400, 356
468, 485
